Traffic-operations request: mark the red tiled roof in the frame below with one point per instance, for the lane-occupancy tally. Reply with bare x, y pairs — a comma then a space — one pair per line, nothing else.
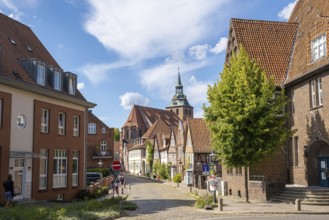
146, 116
11, 54
269, 43
312, 17
200, 135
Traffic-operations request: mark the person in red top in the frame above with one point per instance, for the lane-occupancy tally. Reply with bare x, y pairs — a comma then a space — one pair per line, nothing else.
9, 190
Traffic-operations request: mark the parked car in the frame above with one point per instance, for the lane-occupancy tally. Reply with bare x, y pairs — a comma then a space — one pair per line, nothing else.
92, 177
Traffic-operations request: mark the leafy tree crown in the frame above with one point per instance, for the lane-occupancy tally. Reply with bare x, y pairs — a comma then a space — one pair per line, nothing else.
246, 114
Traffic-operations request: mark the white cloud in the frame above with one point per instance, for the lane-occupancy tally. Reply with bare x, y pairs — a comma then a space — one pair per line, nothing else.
198, 113
98, 73
15, 7
132, 98
162, 78
145, 29
220, 46
81, 85
284, 14
196, 91
198, 52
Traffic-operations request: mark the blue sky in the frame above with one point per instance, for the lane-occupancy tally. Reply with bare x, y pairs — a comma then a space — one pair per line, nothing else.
127, 52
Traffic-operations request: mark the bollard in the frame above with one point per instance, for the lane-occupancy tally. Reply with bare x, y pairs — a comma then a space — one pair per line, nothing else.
297, 205
220, 204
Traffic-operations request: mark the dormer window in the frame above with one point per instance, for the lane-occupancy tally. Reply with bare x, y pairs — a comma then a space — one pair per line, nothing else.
57, 80
71, 86
318, 46
70, 83
41, 75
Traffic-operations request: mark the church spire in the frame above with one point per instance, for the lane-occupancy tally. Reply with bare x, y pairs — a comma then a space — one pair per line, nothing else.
179, 86
179, 103
179, 83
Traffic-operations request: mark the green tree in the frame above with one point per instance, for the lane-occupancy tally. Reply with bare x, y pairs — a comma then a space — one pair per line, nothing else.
245, 115
150, 153
116, 134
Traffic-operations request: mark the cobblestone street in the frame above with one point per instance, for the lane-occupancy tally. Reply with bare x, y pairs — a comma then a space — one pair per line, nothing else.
160, 201
156, 200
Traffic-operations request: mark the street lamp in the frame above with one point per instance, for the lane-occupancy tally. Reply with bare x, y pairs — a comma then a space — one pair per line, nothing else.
100, 163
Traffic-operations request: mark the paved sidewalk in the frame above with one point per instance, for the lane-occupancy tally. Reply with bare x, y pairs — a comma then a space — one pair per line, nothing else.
236, 205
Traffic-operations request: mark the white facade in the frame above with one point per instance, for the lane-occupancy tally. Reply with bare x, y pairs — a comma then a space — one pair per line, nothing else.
135, 161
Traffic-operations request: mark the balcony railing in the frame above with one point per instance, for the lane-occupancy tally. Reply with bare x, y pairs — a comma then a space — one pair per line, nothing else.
103, 153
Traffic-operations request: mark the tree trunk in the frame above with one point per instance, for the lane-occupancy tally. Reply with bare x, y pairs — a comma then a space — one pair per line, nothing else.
246, 183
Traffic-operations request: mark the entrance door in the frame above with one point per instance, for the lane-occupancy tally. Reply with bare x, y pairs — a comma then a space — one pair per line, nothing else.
18, 181
323, 171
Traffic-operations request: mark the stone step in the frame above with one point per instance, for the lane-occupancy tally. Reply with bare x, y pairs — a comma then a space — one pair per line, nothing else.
303, 195
314, 196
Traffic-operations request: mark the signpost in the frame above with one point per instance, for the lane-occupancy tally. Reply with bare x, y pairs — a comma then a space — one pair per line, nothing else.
116, 165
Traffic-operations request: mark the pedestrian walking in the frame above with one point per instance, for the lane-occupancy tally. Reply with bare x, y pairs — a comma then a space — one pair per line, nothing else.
122, 180
116, 187
9, 190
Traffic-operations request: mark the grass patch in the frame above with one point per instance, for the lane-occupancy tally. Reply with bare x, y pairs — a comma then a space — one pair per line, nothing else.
87, 210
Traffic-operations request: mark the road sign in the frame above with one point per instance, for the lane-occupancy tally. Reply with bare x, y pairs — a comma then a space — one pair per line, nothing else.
205, 169
116, 165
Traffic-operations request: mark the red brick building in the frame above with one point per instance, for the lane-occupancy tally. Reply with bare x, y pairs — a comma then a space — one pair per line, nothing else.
42, 119
295, 54
100, 143
307, 86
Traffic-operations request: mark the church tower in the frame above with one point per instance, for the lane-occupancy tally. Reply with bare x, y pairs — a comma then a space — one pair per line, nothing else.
179, 103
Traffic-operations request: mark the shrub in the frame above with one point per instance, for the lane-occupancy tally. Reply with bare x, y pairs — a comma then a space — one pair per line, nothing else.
84, 194
164, 171
203, 200
177, 178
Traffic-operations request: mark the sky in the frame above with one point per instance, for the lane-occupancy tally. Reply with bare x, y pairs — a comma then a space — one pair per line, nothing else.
127, 52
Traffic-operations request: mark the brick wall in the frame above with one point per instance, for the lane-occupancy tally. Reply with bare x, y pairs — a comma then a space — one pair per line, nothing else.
271, 170
4, 139
311, 125
53, 141
93, 142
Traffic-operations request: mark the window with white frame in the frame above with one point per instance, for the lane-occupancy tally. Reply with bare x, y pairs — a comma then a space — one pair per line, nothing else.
320, 98
43, 169
72, 85
75, 168
76, 124
103, 130
61, 123
295, 151
58, 80
238, 171
318, 47
316, 92
229, 170
1, 112
103, 146
60, 169
41, 75
91, 128
44, 120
